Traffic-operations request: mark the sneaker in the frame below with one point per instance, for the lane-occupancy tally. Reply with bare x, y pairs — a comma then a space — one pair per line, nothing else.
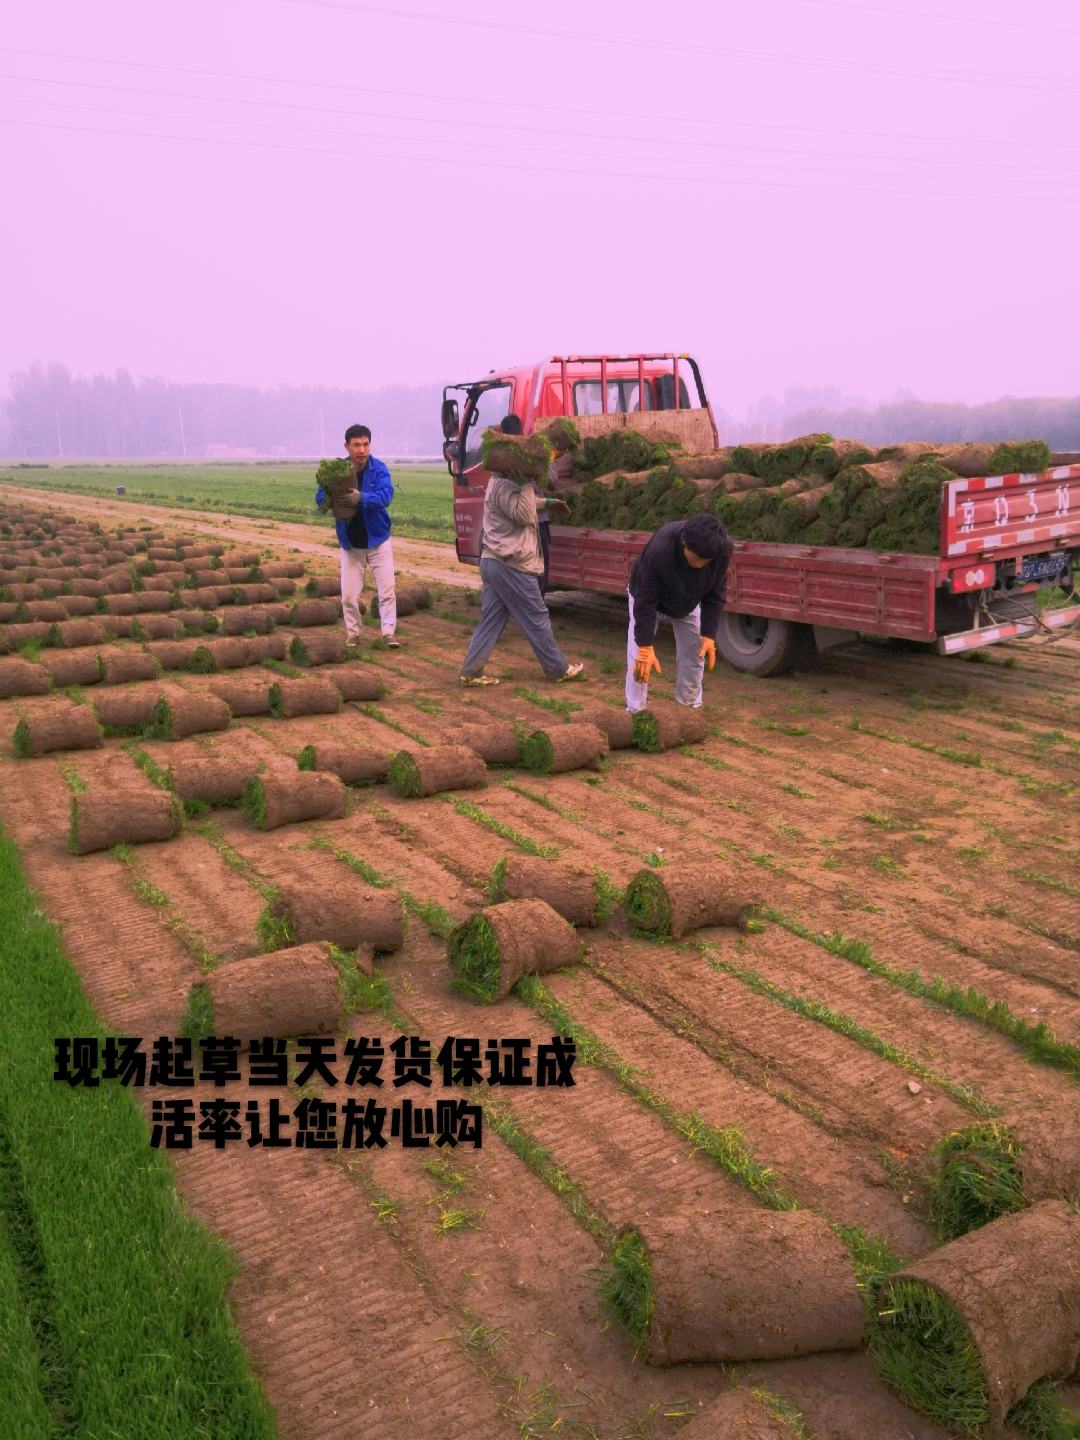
392, 642
477, 680
572, 672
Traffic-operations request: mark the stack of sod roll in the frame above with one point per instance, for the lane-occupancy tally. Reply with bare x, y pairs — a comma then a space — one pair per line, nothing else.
811, 491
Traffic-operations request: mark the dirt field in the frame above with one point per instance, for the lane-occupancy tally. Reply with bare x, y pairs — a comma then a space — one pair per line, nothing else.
924, 806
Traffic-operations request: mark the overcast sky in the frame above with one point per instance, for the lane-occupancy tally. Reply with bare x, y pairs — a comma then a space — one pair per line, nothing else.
875, 195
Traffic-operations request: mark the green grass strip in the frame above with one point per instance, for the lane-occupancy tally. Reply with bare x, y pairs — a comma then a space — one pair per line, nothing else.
846, 1025
547, 702
922, 1346
1039, 877
506, 832
946, 752
977, 1178
149, 767
235, 861
628, 1293
124, 1291
168, 912
726, 1147
26, 1395
1038, 1042
789, 1415
373, 712
438, 920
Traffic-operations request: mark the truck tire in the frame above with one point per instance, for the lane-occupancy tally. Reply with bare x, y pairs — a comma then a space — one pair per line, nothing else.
760, 646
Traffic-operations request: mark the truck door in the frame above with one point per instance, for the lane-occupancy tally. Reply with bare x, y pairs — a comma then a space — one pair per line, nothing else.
485, 407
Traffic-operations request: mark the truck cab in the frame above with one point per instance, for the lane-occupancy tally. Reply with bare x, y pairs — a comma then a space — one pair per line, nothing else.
650, 393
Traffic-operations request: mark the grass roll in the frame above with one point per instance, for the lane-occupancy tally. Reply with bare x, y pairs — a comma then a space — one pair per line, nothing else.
495, 741
290, 992
335, 908
102, 819
736, 1286
570, 890
62, 726
493, 950
564, 747
247, 696
232, 653
265, 647
977, 1179
182, 655
965, 1332
118, 667
179, 713
20, 677
349, 762
832, 455
314, 696
415, 774
76, 634
239, 622
520, 457
319, 587
744, 458
318, 647
1020, 457
781, 462
314, 612
668, 903
665, 725
273, 800
80, 668
358, 682
616, 724
198, 774
126, 707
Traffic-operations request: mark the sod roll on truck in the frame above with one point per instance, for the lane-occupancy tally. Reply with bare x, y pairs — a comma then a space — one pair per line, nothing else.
962, 545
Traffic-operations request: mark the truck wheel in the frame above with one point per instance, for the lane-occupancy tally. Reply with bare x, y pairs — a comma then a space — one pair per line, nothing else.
762, 646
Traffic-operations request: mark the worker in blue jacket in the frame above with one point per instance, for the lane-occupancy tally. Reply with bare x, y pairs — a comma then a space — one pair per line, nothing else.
363, 532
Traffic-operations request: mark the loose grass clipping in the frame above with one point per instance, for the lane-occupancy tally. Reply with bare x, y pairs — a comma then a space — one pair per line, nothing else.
181, 713
664, 726
738, 1285
491, 952
966, 1331
290, 992
350, 763
337, 909
415, 774
273, 800
313, 696
102, 819
568, 889
495, 741
666, 904
62, 726
564, 747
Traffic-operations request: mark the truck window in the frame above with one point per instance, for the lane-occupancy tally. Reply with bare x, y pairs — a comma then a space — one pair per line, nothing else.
488, 409
665, 393
622, 397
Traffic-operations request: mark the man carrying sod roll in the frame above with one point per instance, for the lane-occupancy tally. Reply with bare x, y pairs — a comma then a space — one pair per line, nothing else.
362, 525
680, 576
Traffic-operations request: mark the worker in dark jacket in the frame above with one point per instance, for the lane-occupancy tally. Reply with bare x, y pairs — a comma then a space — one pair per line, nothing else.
681, 575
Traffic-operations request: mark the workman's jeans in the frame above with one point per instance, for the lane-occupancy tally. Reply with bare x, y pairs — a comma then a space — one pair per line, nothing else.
511, 594
689, 666
353, 566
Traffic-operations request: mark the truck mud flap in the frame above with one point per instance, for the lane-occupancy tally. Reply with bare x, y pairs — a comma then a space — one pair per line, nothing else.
1015, 630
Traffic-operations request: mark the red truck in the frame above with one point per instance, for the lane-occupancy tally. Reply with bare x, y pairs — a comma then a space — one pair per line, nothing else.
1006, 540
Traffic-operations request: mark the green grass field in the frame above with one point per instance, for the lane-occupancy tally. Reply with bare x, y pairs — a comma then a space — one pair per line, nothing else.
422, 509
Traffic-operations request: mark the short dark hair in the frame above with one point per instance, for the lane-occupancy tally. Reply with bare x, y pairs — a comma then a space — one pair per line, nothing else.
357, 432
511, 425
703, 536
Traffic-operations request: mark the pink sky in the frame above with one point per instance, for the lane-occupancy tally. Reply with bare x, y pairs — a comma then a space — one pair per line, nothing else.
799, 192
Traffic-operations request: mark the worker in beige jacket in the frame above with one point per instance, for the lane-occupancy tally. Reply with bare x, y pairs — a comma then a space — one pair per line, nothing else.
511, 566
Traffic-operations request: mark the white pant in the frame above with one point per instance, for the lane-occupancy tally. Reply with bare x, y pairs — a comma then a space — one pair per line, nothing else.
354, 564
689, 666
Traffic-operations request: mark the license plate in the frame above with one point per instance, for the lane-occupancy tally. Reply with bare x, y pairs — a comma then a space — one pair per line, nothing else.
1042, 567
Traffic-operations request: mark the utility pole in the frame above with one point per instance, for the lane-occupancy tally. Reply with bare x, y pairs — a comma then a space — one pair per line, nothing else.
183, 437
58, 439
322, 433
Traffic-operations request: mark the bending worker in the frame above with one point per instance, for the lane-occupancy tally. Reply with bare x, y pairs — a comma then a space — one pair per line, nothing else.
363, 532
511, 567
681, 575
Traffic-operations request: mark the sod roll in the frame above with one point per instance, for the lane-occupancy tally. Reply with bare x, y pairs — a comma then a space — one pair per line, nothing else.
357, 682
669, 902
493, 950
126, 707
738, 1285
737, 1414
318, 647
182, 655
290, 992
160, 627
20, 677
230, 653
102, 819
75, 634
495, 741
62, 726
341, 910
617, 725
415, 774
239, 622
832, 455
120, 666
349, 762
664, 725
249, 696
404, 604
517, 456
569, 889
196, 774
273, 800
180, 713
314, 696
314, 612
78, 669
564, 747
966, 1331
321, 586
977, 1178
265, 647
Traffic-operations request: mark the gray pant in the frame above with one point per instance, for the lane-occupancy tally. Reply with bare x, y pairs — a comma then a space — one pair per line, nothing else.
508, 593
689, 668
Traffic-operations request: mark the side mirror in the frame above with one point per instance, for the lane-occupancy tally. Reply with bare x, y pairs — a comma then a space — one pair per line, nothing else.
451, 420
451, 454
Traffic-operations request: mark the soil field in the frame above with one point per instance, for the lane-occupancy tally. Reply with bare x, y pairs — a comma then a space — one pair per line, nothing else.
897, 817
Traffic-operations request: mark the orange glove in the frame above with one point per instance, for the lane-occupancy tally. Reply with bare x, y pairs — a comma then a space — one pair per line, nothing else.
645, 663
707, 651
